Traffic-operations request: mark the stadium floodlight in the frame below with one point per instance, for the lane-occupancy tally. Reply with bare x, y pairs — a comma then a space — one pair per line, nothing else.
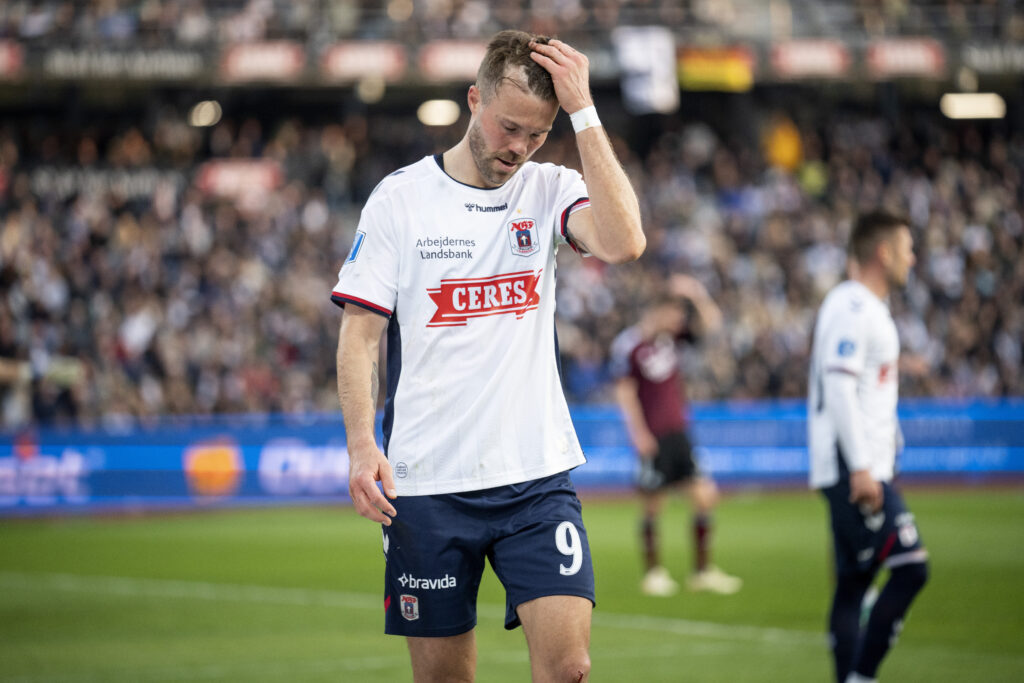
986, 105
438, 112
205, 114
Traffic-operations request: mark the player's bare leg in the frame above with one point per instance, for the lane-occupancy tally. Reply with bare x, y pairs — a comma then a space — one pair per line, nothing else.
703, 494
557, 629
440, 660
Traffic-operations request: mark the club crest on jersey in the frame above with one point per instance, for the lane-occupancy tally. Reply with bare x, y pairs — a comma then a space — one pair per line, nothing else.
522, 235
410, 607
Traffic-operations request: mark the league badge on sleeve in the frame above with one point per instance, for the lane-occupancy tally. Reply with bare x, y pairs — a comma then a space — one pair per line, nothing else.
357, 244
522, 235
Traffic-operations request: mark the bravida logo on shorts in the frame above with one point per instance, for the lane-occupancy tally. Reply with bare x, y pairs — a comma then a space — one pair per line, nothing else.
412, 582
458, 300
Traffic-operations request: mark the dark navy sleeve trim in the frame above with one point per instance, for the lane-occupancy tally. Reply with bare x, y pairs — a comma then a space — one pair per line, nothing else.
341, 299
564, 228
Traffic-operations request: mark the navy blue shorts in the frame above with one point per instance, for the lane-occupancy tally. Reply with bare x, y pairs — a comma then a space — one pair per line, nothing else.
866, 542
532, 533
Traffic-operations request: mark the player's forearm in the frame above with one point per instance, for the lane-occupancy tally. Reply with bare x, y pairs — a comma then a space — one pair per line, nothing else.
841, 402
619, 235
709, 312
357, 386
632, 413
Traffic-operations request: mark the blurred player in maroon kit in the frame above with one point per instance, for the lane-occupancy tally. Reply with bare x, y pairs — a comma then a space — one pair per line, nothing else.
650, 391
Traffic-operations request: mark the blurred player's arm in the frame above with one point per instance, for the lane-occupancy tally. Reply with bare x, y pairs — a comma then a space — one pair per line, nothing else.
840, 391
358, 390
690, 288
610, 229
629, 402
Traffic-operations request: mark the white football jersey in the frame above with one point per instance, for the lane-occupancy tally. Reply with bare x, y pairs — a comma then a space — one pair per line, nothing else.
467, 277
854, 334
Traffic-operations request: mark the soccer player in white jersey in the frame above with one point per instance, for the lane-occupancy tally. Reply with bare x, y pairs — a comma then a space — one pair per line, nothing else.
854, 439
454, 258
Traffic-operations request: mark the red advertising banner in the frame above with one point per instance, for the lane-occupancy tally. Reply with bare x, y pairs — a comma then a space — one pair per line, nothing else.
12, 58
352, 61
810, 59
239, 177
271, 61
923, 57
451, 60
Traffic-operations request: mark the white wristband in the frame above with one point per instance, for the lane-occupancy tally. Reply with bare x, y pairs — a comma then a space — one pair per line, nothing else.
585, 118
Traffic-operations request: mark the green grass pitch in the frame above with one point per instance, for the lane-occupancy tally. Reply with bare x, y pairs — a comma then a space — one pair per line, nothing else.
295, 595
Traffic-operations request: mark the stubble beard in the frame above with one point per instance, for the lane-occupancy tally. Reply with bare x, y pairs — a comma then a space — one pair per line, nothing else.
484, 161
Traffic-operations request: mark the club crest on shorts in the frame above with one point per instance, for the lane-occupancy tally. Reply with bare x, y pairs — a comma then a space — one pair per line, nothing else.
410, 607
522, 235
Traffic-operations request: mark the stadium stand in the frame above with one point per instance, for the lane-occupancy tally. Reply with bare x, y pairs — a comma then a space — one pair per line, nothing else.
132, 289
152, 267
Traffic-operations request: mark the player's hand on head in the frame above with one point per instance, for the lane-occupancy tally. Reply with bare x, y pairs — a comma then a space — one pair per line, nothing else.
570, 73
365, 470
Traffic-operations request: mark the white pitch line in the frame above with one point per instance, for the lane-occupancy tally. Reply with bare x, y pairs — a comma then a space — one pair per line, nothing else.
201, 590
197, 590
289, 671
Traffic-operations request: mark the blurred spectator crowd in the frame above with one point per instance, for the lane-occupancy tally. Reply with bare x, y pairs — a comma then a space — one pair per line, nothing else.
129, 288
151, 23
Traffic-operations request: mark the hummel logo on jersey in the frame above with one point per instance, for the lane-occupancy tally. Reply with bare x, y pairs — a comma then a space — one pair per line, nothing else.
412, 582
458, 300
471, 207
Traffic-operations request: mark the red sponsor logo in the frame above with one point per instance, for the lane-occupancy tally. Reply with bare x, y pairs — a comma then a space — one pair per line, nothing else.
884, 373
458, 300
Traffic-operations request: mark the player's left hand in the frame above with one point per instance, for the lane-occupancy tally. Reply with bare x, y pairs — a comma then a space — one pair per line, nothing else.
570, 73
865, 491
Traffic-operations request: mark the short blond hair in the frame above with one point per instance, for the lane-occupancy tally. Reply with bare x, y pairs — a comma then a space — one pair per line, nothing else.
510, 50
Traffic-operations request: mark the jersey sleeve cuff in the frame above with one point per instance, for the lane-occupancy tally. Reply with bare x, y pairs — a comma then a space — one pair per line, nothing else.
581, 203
341, 300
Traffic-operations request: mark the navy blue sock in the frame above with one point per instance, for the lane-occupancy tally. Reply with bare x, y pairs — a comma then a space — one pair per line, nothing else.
886, 618
844, 620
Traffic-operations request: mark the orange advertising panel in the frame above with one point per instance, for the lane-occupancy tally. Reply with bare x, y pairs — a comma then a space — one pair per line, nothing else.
726, 69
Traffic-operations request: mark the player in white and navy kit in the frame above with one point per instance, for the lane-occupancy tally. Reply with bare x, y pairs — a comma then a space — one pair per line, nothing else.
854, 439
455, 259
